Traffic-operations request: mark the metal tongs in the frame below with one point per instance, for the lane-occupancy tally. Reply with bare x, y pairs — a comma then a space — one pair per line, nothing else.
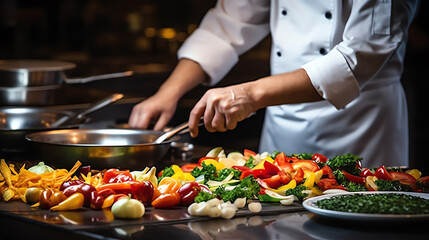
184, 127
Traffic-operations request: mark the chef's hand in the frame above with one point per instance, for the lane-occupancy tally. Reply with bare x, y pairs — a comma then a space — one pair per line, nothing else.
222, 109
158, 108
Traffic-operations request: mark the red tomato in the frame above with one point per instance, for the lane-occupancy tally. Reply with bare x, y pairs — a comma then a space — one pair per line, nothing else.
284, 177
353, 178
328, 183
273, 182
317, 157
382, 173
306, 164
298, 175
189, 167
404, 178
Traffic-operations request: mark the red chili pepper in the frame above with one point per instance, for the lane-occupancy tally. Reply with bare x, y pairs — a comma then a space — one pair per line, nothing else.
84, 188
382, 173
317, 157
366, 172
353, 178
188, 192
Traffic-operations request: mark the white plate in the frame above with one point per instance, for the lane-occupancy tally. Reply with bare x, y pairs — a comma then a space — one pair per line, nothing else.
310, 205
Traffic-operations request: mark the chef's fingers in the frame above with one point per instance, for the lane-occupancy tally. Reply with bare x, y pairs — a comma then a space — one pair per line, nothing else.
231, 121
195, 116
138, 119
218, 122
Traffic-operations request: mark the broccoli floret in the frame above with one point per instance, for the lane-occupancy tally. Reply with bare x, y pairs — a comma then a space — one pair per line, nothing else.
347, 162
250, 163
203, 197
223, 173
297, 192
248, 188
386, 185
354, 187
339, 176
167, 172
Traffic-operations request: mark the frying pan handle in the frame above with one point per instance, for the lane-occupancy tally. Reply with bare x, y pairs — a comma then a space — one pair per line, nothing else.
98, 77
100, 104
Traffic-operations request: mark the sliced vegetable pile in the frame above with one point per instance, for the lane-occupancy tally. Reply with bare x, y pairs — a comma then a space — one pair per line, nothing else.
217, 186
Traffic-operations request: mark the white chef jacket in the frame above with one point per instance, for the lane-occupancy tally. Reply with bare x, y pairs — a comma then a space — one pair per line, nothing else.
353, 52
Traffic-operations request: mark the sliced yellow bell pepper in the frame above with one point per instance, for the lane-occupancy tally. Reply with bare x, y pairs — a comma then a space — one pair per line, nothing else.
318, 176
309, 180
415, 173
215, 163
176, 168
282, 190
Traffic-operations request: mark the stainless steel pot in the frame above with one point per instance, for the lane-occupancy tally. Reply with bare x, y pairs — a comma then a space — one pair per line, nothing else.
101, 148
39, 82
33, 73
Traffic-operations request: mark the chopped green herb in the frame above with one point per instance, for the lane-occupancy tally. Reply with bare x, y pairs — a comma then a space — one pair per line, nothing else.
388, 203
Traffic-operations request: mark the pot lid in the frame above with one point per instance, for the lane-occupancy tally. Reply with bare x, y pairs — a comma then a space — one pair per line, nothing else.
35, 65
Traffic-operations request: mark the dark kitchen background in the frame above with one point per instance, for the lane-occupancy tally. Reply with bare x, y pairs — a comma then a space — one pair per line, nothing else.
104, 36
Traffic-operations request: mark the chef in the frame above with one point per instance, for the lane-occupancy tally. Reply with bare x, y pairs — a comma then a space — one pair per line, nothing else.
335, 76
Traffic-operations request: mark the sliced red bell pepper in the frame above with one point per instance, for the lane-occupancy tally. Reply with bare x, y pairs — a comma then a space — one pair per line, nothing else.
329, 183
263, 184
187, 168
255, 172
140, 190
404, 178
282, 161
353, 178
273, 182
270, 169
382, 173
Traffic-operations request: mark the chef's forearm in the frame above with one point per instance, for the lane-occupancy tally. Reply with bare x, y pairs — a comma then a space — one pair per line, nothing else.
286, 88
186, 75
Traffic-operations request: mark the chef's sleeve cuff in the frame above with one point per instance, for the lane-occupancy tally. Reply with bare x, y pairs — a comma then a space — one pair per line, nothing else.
332, 78
215, 56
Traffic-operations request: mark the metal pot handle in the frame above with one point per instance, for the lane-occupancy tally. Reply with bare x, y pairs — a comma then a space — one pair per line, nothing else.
98, 77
